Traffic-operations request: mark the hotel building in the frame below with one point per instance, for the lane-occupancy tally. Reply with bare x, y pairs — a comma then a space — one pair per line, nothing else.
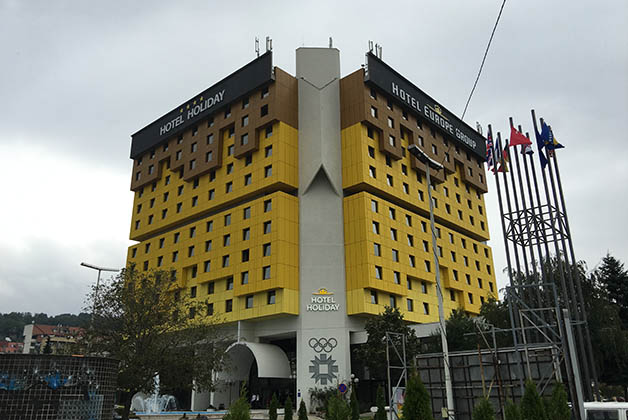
291, 205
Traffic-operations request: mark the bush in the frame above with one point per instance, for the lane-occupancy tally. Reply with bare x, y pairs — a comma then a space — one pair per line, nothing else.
272, 409
337, 409
557, 405
381, 404
512, 411
483, 410
302, 411
531, 404
416, 405
239, 410
355, 408
287, 411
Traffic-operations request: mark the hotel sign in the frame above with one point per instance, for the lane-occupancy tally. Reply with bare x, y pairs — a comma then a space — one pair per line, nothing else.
391, 82
322, 301
234, 86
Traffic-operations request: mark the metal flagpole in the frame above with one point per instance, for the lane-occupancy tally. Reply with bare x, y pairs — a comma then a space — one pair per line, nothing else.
590, 358
508, 261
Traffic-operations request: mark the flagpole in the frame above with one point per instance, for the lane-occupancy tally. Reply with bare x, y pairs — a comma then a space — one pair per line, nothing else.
570, 361
508, 261
570, 282
590, 358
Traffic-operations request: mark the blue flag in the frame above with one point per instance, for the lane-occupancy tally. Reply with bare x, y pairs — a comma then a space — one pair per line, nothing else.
553, 143
540, 144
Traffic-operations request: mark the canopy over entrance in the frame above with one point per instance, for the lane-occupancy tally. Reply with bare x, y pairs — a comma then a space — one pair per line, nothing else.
271, 360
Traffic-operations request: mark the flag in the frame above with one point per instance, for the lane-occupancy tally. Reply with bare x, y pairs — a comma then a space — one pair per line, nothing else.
516, 138
540, 144
501, 157
553, 143
528, 150
490, 152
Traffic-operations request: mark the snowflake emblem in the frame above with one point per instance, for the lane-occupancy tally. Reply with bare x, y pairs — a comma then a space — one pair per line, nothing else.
323, 369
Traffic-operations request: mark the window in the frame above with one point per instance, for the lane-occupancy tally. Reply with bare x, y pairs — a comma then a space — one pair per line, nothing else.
479, 282
228, 305
374, 297
247, 179
421, 197
264, 110
267, 227
249, 302
372, 172
269, 131
397, 277
389, 180
392, 141
395, 255
229, 187
374, 206
409, 283
393, 301
268, 206
228, 112
194, 201
391, 123
424, 287
246, 234
408, 220
244, 277
145, 265
452, 295
373, 112
426, 246
470, 298
164, 213
193, 291
229, 283
265, 92
225, 260
246, 213
370, 134
176, 237
406, 188
266, 250
426, 308
210, 139
147, 248
412, 261
389, 104
393, 234
268, 151
226, 240
210, 309
244, 139
376, 228
488, 268
377, 249
410, 305
139, 208
410, 240
268, 171
427, 266
175, 256
191, 251
227, 219
245, 255
266, 272
373, 94
177, 156
371, 152
391, 213
245, 121
453, 256
161, 242
160, 261
270, 298
230, 150
192, 313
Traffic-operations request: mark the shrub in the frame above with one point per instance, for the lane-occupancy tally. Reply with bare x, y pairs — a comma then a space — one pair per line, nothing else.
416, 405
531, 404
302, 411
272, 409
512, 411
355, 408
239, 410
287, 411
337, 409
557, 405
381, 404
483, 410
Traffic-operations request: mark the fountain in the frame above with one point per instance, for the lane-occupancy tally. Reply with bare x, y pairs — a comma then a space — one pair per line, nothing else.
155, 403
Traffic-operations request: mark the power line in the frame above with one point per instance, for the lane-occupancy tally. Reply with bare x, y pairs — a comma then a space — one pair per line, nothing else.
483, 60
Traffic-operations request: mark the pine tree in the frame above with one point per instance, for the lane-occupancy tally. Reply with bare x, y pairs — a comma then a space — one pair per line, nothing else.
241, 409
302, 411
272, 409
483, 410
337, 409
381, 404
355, 408
416, 405
512, 411
558, 407
531, 404
287, 411
614, 278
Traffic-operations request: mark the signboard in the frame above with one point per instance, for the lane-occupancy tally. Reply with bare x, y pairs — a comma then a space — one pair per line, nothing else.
249, 77
343, 388
323, 301
391, 82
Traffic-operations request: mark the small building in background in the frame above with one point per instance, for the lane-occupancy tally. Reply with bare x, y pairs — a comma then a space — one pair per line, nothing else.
36, 336
8, 346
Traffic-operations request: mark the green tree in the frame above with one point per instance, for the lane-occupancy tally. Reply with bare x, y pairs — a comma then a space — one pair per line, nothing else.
272, 410
353, 403
483, 410
373, 353
151, 325
495, 312
381, 404
302, 411
460, 331
240, 409
512, 411
531, 403
416, 405
287, 411
614, 278
337, 409
558, 405
47, 348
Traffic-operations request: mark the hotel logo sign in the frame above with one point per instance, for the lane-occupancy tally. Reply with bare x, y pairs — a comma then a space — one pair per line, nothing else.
322, 301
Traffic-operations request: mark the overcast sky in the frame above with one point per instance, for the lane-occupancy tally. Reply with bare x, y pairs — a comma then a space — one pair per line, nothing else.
77, 78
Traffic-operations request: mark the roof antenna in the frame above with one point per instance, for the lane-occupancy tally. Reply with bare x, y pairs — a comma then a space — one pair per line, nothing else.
370, 46
269, 44
331, 43
257, 46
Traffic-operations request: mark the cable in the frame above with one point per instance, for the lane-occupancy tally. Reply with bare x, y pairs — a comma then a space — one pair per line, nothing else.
483, 60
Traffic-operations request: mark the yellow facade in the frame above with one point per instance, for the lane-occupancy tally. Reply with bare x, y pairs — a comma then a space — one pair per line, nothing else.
395, 220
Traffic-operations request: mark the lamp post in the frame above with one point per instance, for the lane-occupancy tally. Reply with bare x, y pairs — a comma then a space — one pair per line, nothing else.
100, 269
432, 164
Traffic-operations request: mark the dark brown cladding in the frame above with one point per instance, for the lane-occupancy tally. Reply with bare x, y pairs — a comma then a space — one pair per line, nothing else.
362, 103
198, 150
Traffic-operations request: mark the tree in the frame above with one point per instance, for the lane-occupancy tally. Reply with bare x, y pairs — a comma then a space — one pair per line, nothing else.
47, 348
460, 329
272, 410
614, 278
512, 411
355, 408
381, 404
287, 411
139, 320
416, 405
241, 409
373, 353
557, 405
337, 409
483, 410
531, 403
302, 411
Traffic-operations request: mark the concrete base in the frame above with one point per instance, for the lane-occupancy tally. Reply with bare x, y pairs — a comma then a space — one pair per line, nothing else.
213, 415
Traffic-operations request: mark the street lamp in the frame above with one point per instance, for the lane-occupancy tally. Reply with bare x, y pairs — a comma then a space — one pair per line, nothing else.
100, 269
432, 164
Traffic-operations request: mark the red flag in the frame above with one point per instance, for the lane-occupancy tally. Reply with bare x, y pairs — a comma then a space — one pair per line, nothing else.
516, 138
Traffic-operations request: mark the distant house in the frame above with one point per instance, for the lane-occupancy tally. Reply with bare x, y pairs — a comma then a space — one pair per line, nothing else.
7, 346
36, 336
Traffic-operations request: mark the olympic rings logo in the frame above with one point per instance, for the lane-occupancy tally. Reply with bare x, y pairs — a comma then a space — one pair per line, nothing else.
323, 344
